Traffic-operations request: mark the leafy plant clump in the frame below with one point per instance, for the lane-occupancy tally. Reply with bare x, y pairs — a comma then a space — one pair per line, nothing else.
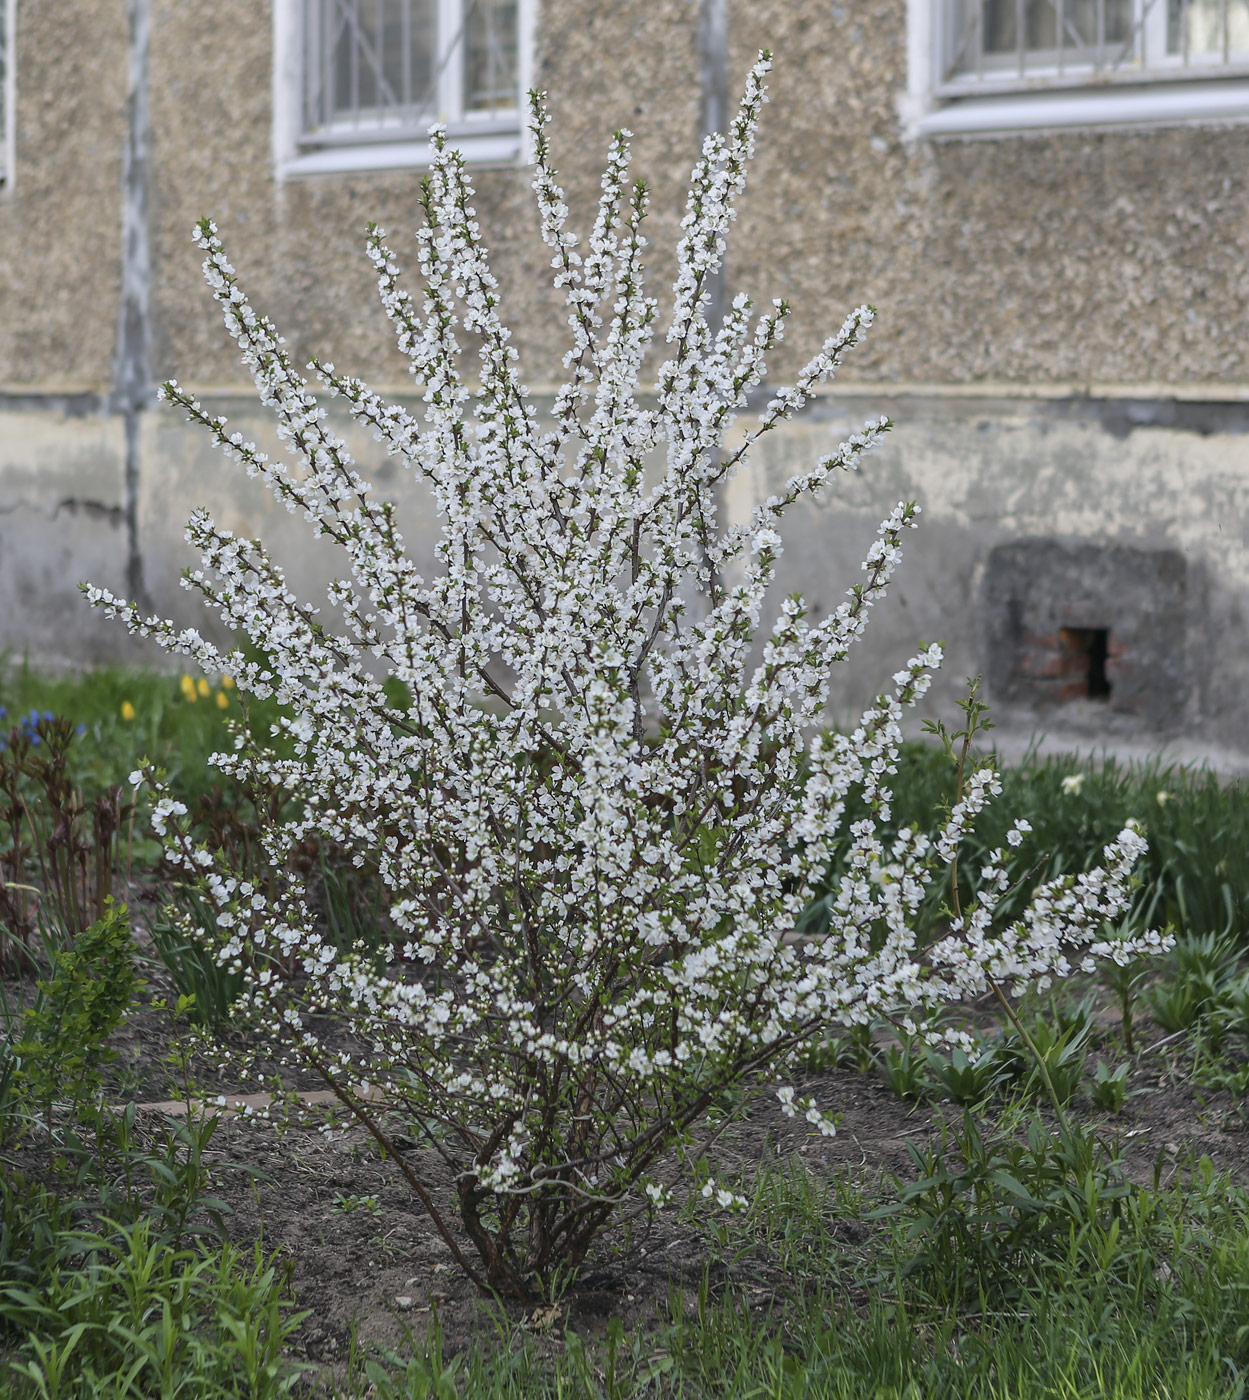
59, 1049
580, 757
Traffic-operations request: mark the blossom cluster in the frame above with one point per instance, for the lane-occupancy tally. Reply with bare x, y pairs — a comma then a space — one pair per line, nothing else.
606, 805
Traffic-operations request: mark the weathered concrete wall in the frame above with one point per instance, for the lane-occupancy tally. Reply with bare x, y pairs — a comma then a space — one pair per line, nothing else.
1061, 339
1111, 258
59, 221
299, 244
61, 521
989, 472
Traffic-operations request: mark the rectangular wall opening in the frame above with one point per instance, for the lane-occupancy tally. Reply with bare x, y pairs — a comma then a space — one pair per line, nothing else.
1086, 650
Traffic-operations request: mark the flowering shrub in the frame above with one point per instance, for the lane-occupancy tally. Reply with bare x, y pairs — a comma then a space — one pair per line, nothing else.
601, 813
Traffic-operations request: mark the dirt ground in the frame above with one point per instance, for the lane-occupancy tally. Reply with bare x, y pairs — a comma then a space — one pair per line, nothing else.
364, 1255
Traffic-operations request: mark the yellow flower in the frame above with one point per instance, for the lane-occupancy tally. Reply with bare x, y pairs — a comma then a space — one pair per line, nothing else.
127, 710
222, 700
1162, 798
187, 686
227, 682
1073, 782
203, 687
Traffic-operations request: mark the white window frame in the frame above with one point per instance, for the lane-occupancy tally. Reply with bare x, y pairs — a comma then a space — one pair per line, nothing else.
492, 138
8, 93
937, 107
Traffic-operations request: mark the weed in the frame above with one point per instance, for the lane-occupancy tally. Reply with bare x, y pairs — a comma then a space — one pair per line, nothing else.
207, 990
347, 1204
1108, 1089
1136, 1296
426, 1375
52, 836
1125, 983
1054, 1061
1195, 876
903, 1066
967, 1079
854, 1047
989, 1215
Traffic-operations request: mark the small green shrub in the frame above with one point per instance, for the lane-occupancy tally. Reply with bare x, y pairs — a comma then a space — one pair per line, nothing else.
33, 1228
59, 1051
903, 1066
1230, 1014
1198, 980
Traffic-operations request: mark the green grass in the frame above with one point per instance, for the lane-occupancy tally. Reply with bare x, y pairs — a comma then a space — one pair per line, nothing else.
1195, 876
1149, 1300
167, 727
1012, 1265
845, 1323
129, 1317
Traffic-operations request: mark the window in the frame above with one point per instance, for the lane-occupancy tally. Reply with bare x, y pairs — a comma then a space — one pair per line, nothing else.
981, 67
372, 76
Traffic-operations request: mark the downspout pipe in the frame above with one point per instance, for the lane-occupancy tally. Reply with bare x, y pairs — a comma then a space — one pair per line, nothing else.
132, 376
713, 81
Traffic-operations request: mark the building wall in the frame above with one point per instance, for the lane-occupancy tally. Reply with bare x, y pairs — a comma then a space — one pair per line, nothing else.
1114, 258
1061, 333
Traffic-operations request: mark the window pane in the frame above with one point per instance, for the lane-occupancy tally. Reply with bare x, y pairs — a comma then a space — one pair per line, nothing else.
1080, 22
1203, 22
1118, 21
1089, 31
491, 73
1040, 25
370, 59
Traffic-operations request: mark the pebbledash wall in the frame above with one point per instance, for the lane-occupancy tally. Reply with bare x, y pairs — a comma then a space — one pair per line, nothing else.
1061, 271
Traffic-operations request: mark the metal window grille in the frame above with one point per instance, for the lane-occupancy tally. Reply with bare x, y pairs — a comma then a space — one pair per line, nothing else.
379, 69
1004, 44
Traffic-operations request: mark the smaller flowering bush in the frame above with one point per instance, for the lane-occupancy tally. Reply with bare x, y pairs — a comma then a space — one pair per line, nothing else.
59, 854
604, 803
29, 727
